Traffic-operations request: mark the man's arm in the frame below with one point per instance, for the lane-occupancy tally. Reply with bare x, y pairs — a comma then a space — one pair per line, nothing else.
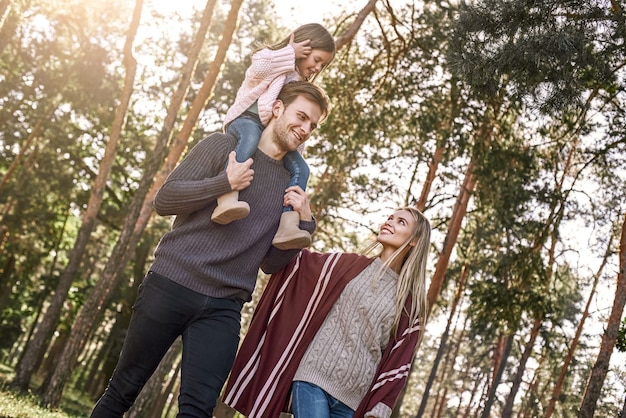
200, 178
277, 259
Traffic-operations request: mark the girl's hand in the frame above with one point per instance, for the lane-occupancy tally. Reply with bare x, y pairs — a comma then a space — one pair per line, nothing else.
301, 49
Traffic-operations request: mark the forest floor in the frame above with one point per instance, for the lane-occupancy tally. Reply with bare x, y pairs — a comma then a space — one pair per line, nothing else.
14, 404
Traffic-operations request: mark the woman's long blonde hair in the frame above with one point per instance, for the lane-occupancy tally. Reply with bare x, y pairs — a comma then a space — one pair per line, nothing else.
412, 274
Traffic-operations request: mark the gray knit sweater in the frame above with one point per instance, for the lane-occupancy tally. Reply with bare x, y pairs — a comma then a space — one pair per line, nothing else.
344, 355
209, 258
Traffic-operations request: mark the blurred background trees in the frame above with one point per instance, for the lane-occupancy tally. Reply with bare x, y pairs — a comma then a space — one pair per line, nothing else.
502, 120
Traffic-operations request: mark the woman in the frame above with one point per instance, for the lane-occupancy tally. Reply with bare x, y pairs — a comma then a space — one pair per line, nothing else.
338, 330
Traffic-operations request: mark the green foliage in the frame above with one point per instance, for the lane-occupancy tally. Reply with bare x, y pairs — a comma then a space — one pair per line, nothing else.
549, 51
26, 405
418, 78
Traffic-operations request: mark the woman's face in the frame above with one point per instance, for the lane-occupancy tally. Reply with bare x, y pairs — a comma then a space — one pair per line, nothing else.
397, 230
313, 63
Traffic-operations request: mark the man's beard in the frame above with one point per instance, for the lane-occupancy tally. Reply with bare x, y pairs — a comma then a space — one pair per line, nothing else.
280, 136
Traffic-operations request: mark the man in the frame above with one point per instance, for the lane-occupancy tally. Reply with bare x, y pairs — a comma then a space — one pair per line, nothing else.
203, 271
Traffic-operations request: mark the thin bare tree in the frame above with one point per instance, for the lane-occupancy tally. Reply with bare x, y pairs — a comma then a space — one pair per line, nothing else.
349, 34
556, 391
36, 347
85, 322
601, 366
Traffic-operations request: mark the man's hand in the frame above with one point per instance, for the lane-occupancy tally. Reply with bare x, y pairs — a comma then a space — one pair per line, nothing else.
239, 175
298, 199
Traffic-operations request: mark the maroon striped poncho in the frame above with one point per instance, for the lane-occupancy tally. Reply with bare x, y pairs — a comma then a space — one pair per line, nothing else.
289, 314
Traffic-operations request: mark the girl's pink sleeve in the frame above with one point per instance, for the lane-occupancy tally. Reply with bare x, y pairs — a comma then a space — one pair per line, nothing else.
269, 63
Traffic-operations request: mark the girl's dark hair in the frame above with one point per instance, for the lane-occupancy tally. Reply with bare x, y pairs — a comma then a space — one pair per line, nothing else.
318, 34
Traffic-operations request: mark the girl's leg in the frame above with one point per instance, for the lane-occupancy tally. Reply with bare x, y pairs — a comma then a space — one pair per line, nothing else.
289, 235
247, 130
299, 170
309, 401
248, 133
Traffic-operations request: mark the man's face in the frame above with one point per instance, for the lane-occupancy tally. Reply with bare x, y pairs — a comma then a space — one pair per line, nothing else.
293, 124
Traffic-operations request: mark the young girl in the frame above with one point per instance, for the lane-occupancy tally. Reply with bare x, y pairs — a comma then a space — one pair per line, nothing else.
338, 330
301, 56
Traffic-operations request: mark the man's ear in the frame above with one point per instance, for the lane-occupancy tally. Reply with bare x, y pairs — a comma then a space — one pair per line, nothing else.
277, 108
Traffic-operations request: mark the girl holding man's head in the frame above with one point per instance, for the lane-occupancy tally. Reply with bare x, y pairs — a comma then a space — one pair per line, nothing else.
300, 56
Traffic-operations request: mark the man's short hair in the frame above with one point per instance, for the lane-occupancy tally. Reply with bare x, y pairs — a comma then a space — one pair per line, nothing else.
291, 91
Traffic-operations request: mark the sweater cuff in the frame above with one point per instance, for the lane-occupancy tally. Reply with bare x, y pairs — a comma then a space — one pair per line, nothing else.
379, 411
281, 61
309, 226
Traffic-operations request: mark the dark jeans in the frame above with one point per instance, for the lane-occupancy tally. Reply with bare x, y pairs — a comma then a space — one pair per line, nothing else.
163, 311
247, 130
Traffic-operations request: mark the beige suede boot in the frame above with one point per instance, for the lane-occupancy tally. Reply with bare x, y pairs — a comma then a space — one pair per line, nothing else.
289, 235
229, 208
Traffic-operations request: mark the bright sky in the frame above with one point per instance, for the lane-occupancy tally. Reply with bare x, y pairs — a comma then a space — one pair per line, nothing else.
299, 12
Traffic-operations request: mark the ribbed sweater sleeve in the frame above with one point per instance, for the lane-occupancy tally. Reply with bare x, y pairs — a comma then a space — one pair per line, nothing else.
197, 180
212, 259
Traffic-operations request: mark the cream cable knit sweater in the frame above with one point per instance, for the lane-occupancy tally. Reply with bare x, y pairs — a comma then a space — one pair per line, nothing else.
344, 355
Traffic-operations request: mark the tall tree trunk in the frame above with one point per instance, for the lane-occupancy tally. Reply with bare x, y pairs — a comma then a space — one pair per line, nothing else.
458, 213
579, 330
441, 404
521, 367
433, 165
454, 227
128, 239
446, 125
174, 390
35, 348
601, 367
172, 387
498, 371
443, 342
531, 393
473, 394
